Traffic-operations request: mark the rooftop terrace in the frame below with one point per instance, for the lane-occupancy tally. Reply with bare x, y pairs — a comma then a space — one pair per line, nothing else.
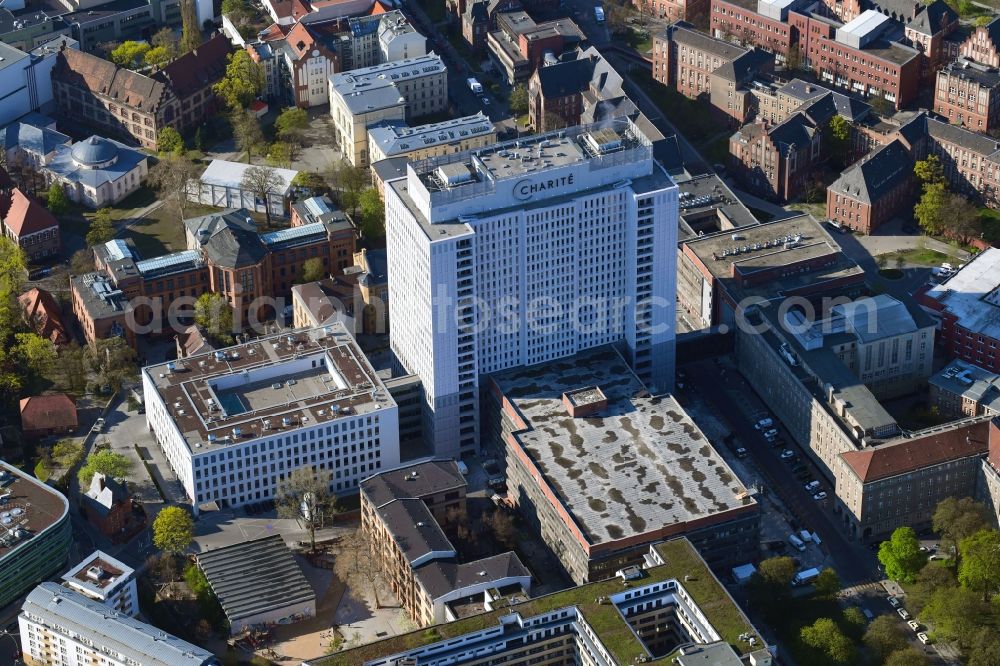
268, 386
631, 468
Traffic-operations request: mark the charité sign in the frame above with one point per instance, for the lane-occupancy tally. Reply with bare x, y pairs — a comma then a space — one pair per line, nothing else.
527, 188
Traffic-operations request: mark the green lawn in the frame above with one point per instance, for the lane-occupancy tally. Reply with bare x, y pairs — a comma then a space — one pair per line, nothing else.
922, 256
162, 231
640, 39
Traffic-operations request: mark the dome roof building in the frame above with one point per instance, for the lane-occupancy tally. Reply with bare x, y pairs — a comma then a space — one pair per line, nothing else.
94, 153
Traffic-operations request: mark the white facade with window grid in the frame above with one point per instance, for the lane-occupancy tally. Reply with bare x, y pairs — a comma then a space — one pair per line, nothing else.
280, 408
541, 248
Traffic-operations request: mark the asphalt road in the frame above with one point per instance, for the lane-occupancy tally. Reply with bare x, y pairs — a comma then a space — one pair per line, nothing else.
737, 403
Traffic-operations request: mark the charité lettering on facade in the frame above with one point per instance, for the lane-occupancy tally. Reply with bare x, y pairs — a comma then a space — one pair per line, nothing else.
526, 188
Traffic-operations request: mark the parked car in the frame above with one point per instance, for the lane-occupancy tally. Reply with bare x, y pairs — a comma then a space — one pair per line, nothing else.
913, 624
812, 485
923, 638
764, 423
821, 495
903, 614
741, 452
98, 425
786, 454
770, 434
893, 601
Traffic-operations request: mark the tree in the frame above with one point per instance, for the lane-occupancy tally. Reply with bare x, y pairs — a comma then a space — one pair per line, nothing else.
883, 637
169, 141
349, 181
129, 54
106, 462
793, 58
931, 211
957, 518
214, 314
262, 181
963, 219
372, 215
280, 154
519, 99
190, 28
855, 619
778, 571
291, 123
102, 228
173, 530
243, 81
985, 649
501, 525
170, 177
56, 200
929, 171
957, 614
931, 578
165, 38
838, 136
979, 569
309, 180
907, 657
825, 636
827, 583
158, 56
305, 496
880, 105
246, 131
113, 360
901, 555
312, 270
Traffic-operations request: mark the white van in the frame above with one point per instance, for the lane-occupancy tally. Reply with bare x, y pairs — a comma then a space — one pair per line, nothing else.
462, 468
599, 14
796, 542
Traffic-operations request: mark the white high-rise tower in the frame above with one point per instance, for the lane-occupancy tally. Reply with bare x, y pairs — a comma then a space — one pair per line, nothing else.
528, 251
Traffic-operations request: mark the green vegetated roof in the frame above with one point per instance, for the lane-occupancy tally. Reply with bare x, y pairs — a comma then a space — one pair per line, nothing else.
605, 619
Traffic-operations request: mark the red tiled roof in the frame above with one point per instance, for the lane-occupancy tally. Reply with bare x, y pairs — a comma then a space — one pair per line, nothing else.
42, 312
274, 32
286, 8
906, 455
197, 69
257, 105
378, 8
42, 412
300, 41
103, 77
27, 216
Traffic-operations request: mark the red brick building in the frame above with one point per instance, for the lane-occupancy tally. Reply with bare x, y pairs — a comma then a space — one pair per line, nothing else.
776, 161
31, 226
684, 59
480, 17
873, 190
968, 307
738, 20
968, 93
108, 506
42, 313
692, 11
44, 415
983, 45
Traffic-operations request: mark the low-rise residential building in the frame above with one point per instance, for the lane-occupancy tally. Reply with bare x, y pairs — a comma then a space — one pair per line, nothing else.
589, 414
873, 190
611, 626
400, 514
56, 621
327, 393
30, 226
311, 57
36, 542
401, 90
46, 415
107, 580
258, 583
968, 93
108, 506
396, 139
966, 306
961, 389
42, 313
520, 45
95, 92
900, 482
221, 185
719, 273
